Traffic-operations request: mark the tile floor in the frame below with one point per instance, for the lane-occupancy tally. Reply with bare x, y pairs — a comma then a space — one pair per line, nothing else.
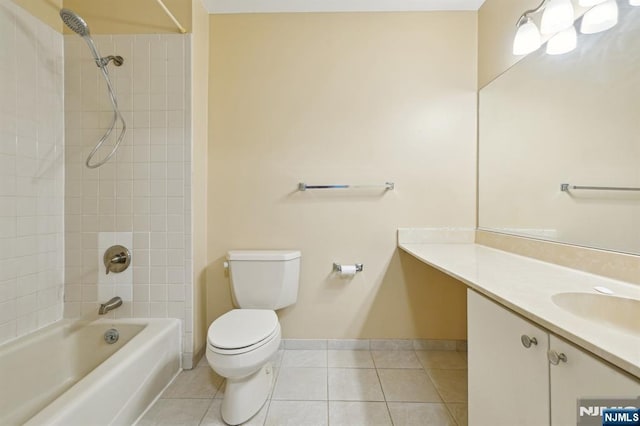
333, 387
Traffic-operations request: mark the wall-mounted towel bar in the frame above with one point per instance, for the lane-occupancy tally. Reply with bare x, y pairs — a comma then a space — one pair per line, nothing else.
387, 186
566, 187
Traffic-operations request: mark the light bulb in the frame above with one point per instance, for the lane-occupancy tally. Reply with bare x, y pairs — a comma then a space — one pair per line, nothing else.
563, 42
600, 18
590, 3
527, 38
634, 2
557, 16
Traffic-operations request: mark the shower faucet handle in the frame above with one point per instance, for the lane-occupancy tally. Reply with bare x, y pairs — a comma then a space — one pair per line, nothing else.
116, 259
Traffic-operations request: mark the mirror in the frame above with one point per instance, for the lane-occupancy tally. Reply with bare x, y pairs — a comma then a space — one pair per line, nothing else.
572, 118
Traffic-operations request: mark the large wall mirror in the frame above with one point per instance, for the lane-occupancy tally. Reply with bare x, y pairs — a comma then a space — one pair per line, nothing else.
572, 118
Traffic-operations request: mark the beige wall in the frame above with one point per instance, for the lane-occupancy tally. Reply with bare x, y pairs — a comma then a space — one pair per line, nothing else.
352, 98
199, 115
130, 16
45, 10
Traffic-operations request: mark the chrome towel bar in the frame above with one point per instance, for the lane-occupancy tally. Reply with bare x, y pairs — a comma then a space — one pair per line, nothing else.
387, 186
565, 187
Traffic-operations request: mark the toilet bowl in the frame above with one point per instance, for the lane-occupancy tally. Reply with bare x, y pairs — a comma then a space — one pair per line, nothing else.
241, 342
239, 346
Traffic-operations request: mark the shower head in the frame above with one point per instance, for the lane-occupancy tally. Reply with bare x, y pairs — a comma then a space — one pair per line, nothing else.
74, 22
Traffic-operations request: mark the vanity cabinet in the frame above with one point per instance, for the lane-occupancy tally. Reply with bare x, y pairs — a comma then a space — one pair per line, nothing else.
508, 382
583, 376
512, 376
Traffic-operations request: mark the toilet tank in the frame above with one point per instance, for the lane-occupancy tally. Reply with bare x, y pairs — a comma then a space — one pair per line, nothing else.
264, 279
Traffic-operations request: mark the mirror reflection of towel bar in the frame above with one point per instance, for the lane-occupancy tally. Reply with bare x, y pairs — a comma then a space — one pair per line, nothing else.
565, 187
303, 186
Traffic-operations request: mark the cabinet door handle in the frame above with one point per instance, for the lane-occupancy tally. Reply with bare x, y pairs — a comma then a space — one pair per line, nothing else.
528, 341
555, 358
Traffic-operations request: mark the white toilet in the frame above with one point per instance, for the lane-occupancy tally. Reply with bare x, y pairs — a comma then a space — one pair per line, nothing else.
241, 342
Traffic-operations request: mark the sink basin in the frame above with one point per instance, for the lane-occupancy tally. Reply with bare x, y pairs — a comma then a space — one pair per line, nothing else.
619, 312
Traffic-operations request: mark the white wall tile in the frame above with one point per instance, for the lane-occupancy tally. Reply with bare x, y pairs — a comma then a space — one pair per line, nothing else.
31, 139
144, 190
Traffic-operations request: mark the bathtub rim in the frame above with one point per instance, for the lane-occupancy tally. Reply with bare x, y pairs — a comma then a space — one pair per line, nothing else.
155, 330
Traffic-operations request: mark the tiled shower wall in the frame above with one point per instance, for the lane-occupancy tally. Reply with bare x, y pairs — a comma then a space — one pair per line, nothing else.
31, 173
142, 198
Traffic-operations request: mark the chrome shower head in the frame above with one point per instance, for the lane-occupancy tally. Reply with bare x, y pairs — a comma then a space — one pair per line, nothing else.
74, 22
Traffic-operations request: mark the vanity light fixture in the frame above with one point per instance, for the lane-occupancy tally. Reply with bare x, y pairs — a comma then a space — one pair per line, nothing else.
557, 16
634, 2
563, 42
600, 18
527, 38
557, 20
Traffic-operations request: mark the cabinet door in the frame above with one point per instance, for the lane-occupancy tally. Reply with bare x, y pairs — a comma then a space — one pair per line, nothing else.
583, 376
508, 383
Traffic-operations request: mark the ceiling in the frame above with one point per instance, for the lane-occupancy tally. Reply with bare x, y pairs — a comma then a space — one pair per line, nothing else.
274, 6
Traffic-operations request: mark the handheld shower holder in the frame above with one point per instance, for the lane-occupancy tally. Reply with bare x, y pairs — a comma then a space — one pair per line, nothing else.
104, 61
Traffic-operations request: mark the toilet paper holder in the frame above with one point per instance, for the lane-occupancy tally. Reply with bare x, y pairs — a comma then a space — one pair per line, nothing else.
338, 267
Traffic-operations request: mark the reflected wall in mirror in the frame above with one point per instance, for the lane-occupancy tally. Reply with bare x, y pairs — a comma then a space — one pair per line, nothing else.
572, 118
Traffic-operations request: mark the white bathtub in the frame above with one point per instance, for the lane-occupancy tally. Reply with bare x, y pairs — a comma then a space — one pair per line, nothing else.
66, 374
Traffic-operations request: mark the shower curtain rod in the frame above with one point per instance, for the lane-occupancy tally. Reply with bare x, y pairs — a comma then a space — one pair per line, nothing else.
170, 15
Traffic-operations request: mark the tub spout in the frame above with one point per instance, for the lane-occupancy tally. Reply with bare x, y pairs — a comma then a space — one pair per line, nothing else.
110, 305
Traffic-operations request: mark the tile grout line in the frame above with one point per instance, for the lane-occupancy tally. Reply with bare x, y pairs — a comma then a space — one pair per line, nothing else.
326, 358
207, 410
275, 380
446, 405
386, 403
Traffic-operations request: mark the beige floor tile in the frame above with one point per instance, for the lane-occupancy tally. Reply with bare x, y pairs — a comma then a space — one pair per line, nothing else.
420, 414
304, 358
297, 413
343, 413
442, 359
200, 382
354, 384
350, 359
460, 413
301, 384
213, 417
451, 384
395, 359
203, 362
174, 412
404, 385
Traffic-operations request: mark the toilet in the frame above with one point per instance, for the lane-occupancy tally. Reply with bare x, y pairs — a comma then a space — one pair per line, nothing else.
241, 342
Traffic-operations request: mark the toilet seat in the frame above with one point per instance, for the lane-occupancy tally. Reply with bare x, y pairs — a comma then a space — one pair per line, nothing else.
242, 330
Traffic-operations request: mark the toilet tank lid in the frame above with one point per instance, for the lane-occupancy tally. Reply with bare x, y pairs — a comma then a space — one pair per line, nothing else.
265, 255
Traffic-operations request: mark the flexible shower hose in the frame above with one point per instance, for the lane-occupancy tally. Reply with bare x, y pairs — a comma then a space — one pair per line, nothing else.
117, 115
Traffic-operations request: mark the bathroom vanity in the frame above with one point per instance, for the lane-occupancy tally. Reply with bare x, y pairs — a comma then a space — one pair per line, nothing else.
540, 336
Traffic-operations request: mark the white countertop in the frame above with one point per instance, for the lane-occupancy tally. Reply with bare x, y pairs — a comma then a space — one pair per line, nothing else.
526, 285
